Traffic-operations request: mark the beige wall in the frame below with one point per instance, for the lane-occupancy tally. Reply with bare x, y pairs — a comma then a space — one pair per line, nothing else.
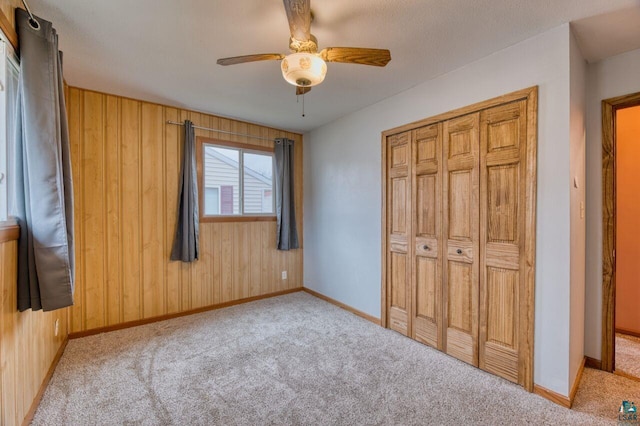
628, 219
577, 222
126, 165
611, 77
342, 198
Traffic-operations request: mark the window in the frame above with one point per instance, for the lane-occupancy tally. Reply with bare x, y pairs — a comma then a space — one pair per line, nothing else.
9, 70
236, 181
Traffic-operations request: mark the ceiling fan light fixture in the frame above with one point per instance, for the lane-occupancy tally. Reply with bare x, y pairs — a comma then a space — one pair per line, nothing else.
303, 69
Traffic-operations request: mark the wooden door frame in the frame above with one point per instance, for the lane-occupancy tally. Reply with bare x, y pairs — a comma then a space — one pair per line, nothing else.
531, 95
609, 109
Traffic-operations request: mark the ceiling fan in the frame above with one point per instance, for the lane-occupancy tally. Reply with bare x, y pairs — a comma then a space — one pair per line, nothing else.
305, 66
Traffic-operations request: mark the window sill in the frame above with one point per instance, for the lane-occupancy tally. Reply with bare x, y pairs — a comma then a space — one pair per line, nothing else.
9, 231
219, 219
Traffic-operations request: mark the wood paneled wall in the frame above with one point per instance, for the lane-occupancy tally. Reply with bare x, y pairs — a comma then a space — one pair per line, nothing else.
7, 19
7, 7
126, 165
28, 345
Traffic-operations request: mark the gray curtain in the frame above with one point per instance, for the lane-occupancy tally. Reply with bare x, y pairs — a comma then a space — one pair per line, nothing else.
185, 244
287, 232
43, 191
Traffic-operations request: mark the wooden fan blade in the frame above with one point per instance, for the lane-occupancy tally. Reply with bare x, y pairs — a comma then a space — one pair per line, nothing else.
299, 16
356, 55
300, 90
250, 58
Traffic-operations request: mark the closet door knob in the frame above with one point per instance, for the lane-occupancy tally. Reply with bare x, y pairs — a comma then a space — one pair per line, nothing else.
425, 247
459, 251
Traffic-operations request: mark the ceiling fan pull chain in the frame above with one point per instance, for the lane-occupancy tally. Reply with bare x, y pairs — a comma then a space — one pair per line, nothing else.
303, 104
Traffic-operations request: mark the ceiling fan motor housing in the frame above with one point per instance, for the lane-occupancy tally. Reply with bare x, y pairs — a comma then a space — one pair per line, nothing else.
310, 45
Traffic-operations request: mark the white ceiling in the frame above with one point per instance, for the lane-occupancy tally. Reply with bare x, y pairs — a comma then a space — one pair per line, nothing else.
166, 50
608, 34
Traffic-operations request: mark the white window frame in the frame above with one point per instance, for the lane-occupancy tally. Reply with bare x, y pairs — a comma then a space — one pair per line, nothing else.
241, 151
9, 67
273, 181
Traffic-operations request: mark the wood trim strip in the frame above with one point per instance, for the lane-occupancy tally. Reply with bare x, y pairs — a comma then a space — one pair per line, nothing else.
626, 375
627, 332
348, 308
383, 255
216, 219
145, 321
9, 233
552, 396
624, 101
562, 400
509, 97
8, 30
609, 108
608, 236
43, 387
245, 146
592, 363
576, 382
531, 183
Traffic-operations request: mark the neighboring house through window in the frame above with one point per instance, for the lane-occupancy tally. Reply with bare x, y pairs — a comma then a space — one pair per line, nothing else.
212, 200
267, 198
236, 180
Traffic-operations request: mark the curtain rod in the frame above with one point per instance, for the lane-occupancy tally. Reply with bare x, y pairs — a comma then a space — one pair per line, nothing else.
221, 131
32, 21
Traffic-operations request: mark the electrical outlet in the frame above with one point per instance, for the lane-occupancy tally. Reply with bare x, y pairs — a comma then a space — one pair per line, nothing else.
56, 328
284, 275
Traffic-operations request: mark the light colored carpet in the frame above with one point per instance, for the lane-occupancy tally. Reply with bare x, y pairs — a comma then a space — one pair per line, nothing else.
628, 354
601, 394
289, 360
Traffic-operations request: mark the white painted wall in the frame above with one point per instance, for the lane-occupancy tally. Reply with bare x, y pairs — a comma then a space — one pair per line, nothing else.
577, 129
611, 77
342, 184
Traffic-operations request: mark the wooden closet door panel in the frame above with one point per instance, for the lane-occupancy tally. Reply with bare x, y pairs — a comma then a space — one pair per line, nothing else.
398, 231
502, 229
460, 198
427, 211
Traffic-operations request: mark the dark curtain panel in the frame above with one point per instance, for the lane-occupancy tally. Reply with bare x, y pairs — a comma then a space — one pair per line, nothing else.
185, 244
43, 191
287, 232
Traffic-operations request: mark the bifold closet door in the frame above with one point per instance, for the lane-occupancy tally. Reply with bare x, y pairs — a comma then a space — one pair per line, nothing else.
503, 306
459, 233
427, 211
398, 231
461, 237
